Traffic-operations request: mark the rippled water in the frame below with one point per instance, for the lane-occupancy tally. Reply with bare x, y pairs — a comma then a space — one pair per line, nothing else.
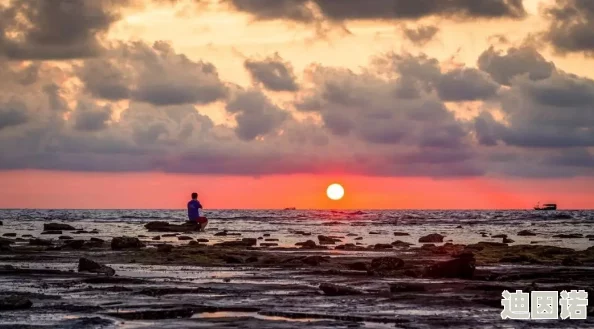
376, 226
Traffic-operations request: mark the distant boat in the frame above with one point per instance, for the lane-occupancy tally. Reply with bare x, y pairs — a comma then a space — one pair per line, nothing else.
291, 208
546, 206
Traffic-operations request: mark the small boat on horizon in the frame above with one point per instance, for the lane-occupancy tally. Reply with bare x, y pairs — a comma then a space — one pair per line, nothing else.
546, 206
290, 208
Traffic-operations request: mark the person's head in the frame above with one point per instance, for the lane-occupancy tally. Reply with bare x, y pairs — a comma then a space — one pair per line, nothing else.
194, 196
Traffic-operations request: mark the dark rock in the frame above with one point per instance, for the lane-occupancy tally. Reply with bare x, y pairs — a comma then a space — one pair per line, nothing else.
74, 244
272, 240
14, 303
459, 226
164, 248
352, 234
157, 238
247, 241
9, 234
268, 244
307, 244
51, 232
314, 260
346, 246
571, 261
448, 249
65, 237
223, 233
232, 259
507, 240
266, 234
569, 236
171, 235
87, 265
27, 236
206, 240
160, 226
386, 263
336, 290
407, 287
526, 233
5, 242
184, 238
519, 259
383, 246
400, 234
92, 243
327, 240
434, 237
57, 227
236, 243
1, 223
590, 236
462, 268
125, 242
401, 244
500, 236
142, 236
357, 266
40, 242
359, 238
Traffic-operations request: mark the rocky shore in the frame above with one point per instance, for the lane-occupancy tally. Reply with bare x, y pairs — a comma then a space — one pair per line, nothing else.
58, 279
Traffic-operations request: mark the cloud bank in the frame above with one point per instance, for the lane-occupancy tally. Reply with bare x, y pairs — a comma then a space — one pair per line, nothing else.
70, 100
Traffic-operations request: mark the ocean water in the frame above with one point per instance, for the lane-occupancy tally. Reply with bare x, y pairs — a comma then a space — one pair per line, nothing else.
374, 226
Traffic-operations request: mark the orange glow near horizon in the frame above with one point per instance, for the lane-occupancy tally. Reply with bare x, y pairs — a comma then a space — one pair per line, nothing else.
54, 189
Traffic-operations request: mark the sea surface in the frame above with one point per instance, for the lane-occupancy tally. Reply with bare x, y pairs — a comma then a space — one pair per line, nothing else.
375, 226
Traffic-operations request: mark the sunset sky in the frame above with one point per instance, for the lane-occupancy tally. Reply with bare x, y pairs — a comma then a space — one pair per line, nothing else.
263, 104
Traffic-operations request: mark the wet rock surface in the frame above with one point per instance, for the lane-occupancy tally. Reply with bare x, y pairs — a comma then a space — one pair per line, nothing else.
87, 265
57, 227
233, 283
434, 237
160, 226
125, 242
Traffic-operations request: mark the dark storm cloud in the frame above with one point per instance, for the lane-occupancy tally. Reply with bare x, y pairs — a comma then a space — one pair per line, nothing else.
154, 74
547, 113
256, 115
572, 158
274, 9
571, 26
103, 79
56, 29
515, 62
273, 72
12, 113
420, 35
340, 10
369, 110
88, 117
466, 84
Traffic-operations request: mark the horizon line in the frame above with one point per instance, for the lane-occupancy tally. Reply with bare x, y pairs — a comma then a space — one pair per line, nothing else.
310, 209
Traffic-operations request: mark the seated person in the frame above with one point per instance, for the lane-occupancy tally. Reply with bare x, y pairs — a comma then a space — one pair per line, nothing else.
194, 217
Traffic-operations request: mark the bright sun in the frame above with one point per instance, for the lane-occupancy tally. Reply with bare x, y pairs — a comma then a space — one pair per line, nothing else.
335, 192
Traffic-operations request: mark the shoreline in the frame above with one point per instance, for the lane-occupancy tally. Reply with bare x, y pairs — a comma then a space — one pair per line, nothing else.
236, 282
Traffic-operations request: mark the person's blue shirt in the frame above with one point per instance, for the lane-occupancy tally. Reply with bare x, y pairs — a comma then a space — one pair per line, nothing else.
193, 212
